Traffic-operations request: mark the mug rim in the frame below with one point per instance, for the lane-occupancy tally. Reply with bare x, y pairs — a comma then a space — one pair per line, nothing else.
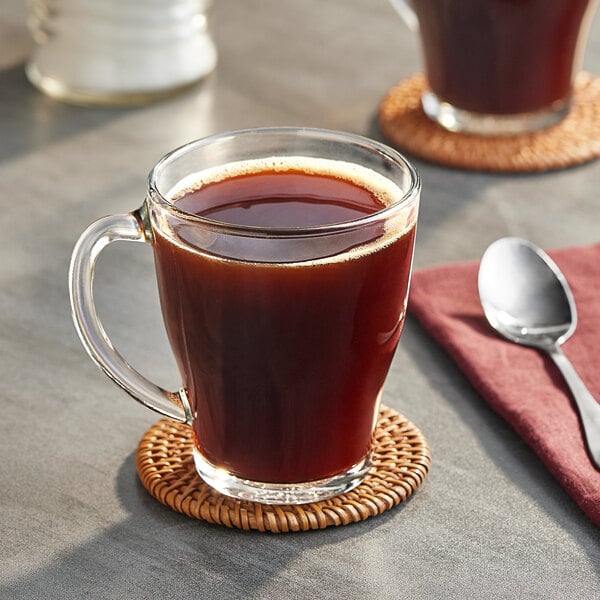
409, 196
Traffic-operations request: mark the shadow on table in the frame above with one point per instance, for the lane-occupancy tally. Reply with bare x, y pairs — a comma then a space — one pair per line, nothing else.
499, 441
32, 120
158, 553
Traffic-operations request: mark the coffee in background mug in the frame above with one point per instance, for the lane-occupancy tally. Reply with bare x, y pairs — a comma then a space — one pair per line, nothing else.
499, 66
283, 259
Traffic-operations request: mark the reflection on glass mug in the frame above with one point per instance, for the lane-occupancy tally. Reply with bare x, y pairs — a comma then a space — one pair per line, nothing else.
283, 259
499, 66
118, 51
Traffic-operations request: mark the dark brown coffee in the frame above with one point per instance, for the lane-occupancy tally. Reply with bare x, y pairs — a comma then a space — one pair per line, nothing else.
501, 56
283, 362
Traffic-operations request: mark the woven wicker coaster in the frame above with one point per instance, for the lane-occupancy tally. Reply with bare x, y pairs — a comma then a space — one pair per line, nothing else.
400, 463
575, 140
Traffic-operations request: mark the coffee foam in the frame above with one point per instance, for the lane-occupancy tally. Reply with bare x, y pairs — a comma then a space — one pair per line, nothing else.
386, 191
381, 187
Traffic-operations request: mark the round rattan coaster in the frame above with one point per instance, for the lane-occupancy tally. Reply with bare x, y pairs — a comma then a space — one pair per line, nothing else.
575, 140
400, 463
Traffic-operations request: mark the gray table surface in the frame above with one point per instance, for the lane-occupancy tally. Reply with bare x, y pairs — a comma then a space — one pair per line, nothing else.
489, 522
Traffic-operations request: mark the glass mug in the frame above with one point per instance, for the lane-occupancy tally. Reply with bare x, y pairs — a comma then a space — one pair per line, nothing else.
499, 67
283, 258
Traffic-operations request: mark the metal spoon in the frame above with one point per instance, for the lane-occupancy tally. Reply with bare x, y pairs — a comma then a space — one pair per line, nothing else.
527, 299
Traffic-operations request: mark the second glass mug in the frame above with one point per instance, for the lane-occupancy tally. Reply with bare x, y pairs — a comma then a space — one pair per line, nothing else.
499, 67
283, 332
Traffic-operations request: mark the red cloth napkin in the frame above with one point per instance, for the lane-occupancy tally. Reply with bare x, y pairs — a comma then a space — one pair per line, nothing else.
520, 383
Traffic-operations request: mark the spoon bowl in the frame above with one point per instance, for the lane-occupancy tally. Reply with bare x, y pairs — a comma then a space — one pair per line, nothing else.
527, 299
524, 295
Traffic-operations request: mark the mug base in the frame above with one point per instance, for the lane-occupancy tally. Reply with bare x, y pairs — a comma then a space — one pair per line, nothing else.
458, 120
280, 493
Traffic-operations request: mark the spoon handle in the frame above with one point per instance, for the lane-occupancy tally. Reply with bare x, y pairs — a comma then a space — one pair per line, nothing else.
589, 408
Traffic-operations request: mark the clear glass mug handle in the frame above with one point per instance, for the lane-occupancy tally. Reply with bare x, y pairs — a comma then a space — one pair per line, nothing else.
405, 10
127, 227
